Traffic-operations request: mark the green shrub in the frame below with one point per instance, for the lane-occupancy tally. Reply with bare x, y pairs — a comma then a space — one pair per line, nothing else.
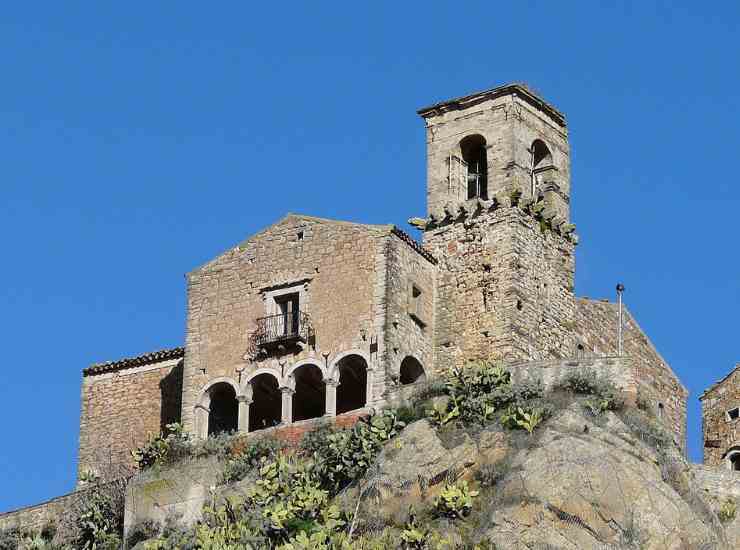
523, 418
9, 539
240, 465
99, 519
455, 500
342, 456
727, 511
142, 531
608, 397
162, 448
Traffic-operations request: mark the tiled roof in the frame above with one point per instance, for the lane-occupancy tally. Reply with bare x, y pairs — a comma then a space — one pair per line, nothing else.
405, 237
130, 362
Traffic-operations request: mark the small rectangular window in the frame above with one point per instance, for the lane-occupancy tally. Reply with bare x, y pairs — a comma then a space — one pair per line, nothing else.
733, 414
415, 303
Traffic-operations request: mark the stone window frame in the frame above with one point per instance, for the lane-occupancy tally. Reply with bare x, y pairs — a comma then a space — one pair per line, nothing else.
271, 294
730, 417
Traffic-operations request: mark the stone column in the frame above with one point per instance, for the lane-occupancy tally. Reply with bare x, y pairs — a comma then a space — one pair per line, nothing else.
331, 397
287, 412
244, 402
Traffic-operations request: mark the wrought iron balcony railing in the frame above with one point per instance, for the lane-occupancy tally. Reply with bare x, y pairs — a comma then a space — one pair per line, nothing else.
283, 328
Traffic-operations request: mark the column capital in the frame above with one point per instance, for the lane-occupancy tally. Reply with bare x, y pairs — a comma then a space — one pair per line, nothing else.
244, 399
287, 390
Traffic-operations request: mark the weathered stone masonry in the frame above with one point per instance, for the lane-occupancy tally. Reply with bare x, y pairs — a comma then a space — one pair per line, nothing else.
314, 320
124, 403
720, 406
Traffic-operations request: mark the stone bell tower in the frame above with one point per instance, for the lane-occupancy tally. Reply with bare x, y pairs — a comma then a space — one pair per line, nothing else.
498, 218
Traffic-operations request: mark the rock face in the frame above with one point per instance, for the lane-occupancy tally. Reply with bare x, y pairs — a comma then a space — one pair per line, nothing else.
583, 483
594, 485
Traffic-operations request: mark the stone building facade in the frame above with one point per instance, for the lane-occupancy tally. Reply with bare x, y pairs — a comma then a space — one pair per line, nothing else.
314, 318
720, 414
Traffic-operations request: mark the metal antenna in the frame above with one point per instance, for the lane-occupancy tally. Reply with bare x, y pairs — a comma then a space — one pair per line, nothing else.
620, 291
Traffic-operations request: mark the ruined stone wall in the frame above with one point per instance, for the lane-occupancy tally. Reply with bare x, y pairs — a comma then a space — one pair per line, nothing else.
122, 409
335, 267
409, 333
509, 125
659, 387
505, 289
720, 432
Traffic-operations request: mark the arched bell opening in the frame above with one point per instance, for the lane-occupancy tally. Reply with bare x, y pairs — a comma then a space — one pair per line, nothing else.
475, 161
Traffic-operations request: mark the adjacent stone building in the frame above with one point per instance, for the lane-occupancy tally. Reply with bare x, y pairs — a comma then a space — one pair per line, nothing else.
720, 414
314, 318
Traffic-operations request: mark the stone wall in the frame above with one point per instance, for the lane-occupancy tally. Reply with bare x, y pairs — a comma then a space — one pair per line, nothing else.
721, 433
409, 333
619, 370
123, 407
505, 289
332, 265
36, 517
717, 482
659, 387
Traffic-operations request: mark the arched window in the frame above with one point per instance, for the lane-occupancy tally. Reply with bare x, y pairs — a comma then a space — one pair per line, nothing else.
223, 410
411, 371
541, 160
352, 390
309, 399
475, 163
266, 408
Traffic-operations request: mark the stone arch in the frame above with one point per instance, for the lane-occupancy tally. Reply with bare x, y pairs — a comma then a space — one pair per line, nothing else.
351, 370
732, 456
289, 380
265, 400
333, 373
309, 391
225, 392
411, 370
474, 154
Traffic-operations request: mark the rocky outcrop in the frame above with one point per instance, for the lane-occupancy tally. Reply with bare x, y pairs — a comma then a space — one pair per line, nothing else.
584, 483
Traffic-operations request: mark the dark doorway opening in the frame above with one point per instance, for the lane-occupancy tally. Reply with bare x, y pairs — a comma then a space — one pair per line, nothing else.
309, 399
223, 413
352, 390
266, 408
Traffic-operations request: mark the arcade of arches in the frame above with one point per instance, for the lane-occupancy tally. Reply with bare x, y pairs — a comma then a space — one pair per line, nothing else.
306, 395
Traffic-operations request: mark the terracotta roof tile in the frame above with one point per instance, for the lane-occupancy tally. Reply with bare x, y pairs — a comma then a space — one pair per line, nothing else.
129, 362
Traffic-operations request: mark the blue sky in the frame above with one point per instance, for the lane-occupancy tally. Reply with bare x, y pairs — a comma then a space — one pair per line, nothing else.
141, 139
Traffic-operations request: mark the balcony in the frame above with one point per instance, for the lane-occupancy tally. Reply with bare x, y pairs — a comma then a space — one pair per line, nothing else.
282, 329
